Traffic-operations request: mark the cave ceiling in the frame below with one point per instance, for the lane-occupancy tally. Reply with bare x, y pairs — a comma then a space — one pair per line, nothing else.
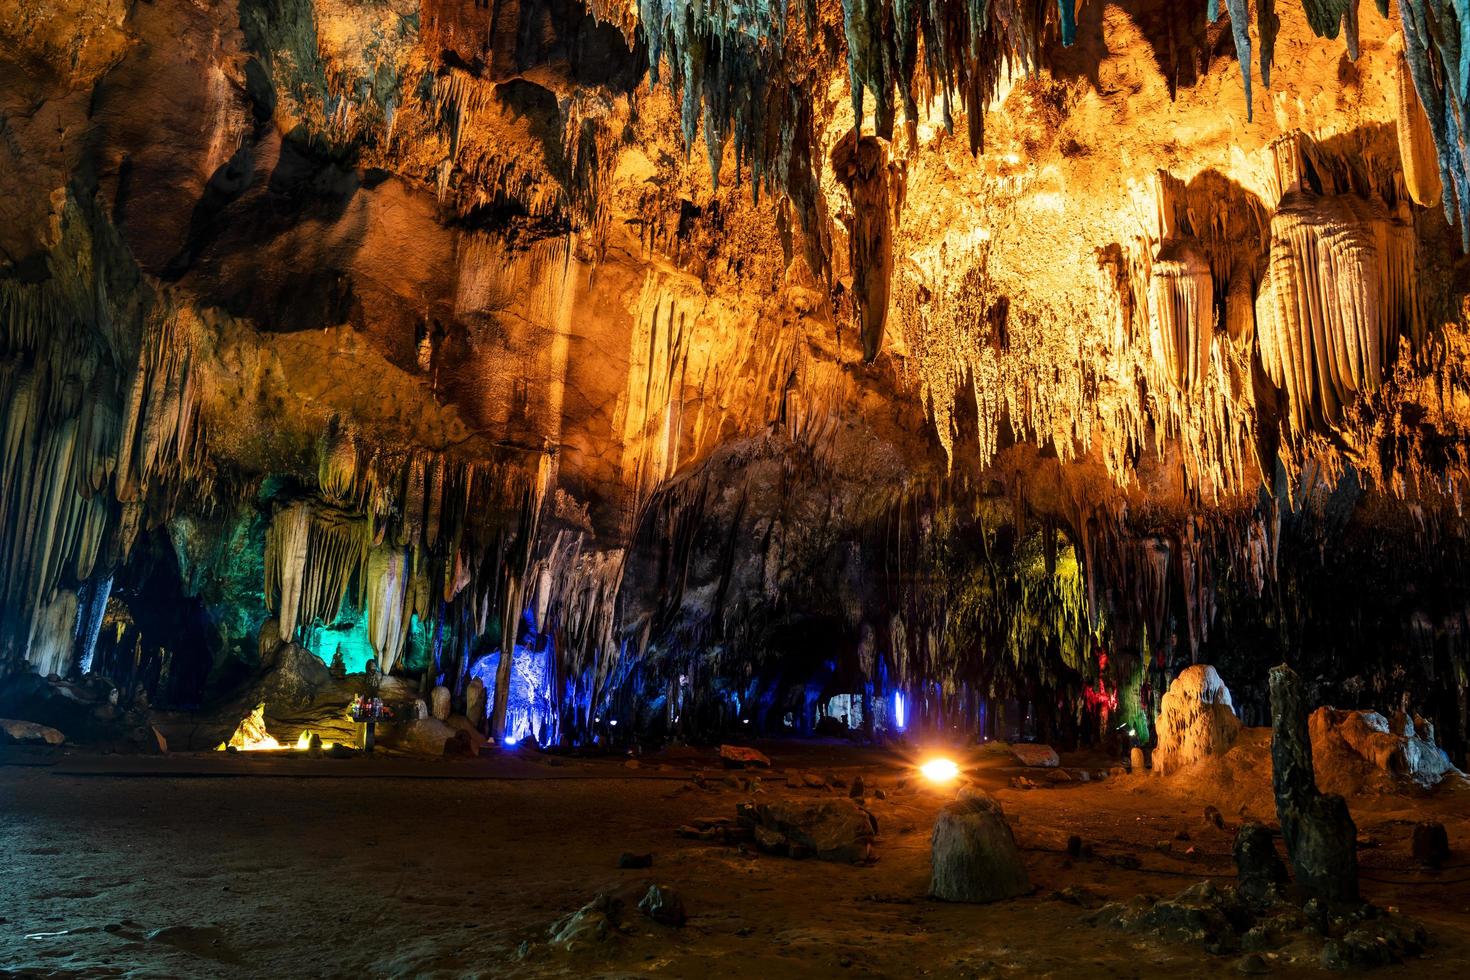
643, 319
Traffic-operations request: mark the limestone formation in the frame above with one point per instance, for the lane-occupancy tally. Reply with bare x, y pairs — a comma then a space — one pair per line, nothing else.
974, 857
1259, 870
475, 701
439, 699
24, 732
1367, 736
1321, 838
1196, 720
832, 830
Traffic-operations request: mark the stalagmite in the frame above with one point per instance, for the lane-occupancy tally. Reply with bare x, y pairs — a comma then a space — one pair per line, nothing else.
1321, 838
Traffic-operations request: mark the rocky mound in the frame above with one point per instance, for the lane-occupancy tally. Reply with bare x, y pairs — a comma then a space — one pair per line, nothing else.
1196, 720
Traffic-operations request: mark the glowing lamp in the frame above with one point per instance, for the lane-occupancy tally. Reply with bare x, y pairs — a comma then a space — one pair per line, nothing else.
940, 771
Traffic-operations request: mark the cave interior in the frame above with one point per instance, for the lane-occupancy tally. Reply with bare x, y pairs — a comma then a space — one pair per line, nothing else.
594, 487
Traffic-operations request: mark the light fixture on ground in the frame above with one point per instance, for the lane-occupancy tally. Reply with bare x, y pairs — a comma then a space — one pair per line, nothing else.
940, 771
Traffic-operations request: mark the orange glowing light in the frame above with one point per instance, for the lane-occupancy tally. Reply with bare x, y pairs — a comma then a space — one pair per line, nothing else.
940, 770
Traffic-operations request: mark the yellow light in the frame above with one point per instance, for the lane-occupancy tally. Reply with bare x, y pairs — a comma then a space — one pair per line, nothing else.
304, 742
940, 770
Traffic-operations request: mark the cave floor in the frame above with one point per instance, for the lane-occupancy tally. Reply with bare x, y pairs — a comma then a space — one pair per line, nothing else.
191, 871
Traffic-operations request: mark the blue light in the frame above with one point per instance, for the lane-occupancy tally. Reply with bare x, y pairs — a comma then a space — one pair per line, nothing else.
509, 740
898, 712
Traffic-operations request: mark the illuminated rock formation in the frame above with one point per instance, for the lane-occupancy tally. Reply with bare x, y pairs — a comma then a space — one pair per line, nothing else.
684, 365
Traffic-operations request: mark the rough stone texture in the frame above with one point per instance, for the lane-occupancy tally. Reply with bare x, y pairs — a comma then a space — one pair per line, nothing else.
466, 729
1136, 760
1196, 720
594, 923
474, 698
663, 905
743, 757
1259, 869
833, 830
1431, 844
421, 736
439, 702
1321, 838
28, 731
973, 854
1037, 756
1368, 734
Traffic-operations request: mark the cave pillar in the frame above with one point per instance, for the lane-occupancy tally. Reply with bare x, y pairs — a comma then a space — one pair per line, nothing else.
1321, 839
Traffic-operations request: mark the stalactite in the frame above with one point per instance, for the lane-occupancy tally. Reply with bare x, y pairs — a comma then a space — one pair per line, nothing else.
285, 565
1240, 30
99, 422
1340, 290
1181, 301
1417, 153
1267, 26
861, 165
1437, 52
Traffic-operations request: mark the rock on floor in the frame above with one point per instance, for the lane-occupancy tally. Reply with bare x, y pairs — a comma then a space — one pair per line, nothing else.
974, 857
832, 830
29, 732
1036, 756
743, 757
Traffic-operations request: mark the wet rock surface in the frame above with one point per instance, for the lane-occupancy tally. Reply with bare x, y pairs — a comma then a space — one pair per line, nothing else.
1223, 921
663, 905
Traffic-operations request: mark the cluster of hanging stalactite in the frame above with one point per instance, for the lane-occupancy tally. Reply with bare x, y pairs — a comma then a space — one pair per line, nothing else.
100, 435
1319, 286
405, 537
1340, 290
1437, 56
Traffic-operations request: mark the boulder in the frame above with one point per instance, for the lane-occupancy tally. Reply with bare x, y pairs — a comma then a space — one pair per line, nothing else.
663, 905
1136, 761
1321, 838
474, 699
1035, 755
973, 855
1259, 870
464, 727
28, 732
743, 757
439, 702
594, 923
1196, 720
1431, 844
832, 830
421, 736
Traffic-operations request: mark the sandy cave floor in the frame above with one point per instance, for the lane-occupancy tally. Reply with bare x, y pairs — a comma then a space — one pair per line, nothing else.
388, 873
